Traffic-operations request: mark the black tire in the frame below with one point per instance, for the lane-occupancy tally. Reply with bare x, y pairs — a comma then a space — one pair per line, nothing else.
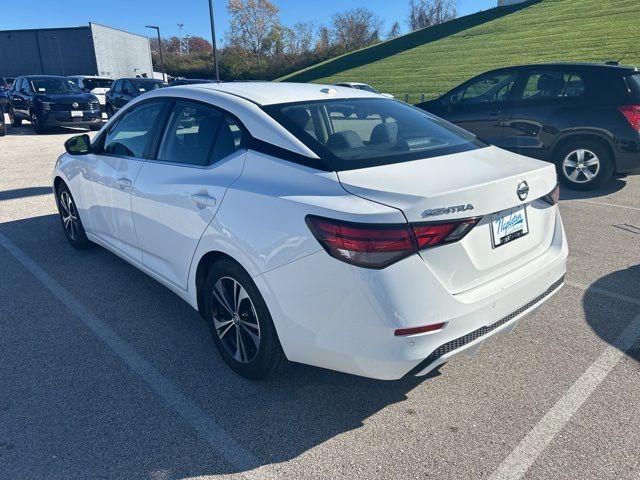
584, 176
95, 128
262, 357
73, 230
36, 122
16, 122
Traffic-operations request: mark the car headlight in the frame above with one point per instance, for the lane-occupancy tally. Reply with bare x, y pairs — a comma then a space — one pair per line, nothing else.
47, 105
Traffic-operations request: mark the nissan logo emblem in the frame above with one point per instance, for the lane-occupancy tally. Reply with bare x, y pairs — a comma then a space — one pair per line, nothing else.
74, 104
522, 190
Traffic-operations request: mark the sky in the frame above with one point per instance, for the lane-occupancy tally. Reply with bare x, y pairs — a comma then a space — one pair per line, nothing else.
194, 14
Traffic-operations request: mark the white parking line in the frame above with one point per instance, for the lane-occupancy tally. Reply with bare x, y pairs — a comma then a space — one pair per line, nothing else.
602, 291
518, 462
224, 445
604, 204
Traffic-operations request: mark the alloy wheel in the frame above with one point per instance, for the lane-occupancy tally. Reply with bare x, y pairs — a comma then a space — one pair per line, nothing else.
69, 214
581, 166
34, 121
235, 320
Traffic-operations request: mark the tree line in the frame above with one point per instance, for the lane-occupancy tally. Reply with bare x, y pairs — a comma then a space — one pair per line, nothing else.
257, 45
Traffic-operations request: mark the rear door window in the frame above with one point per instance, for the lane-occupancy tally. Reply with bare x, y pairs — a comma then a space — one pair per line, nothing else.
198, 135
552, 84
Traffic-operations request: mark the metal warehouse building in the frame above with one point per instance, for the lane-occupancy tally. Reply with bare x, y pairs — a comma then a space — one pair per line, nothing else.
90, 50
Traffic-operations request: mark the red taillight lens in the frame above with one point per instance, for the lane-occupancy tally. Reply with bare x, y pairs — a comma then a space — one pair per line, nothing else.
433, 234
416, 330
370, 246
632, 114
553, 196
379, 245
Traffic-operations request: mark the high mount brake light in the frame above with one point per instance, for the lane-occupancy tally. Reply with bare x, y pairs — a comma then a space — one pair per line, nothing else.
632, 114
553, 196
380, 245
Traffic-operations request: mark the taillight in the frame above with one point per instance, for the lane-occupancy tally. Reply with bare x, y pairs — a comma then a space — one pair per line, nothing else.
380, 245
553, 196
632, 114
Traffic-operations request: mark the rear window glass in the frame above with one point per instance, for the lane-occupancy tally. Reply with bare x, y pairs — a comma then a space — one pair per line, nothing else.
358, 133
553, 84
91, 83
634, 84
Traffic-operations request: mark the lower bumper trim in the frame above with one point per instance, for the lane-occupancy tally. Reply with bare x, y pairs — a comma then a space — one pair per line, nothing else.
470, 337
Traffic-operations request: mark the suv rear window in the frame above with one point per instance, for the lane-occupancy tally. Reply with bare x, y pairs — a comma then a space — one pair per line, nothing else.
357, 133
634, 84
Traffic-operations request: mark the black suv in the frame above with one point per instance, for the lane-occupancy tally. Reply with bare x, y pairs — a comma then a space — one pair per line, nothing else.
124, 90
50, 101
585, 118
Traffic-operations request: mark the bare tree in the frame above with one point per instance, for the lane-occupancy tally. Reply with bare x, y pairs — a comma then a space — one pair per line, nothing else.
324, 41
355, 28
426, 13
394, 31
298, 38
251, 24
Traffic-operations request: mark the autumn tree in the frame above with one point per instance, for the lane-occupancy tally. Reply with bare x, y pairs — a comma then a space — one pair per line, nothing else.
394, 31
252, 26
355, 28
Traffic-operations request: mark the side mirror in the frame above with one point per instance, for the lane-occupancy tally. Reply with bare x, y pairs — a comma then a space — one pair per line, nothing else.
23, 90
79, 145
126, 91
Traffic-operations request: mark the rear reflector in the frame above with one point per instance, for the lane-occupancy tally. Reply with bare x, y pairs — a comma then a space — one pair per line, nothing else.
632, 114
401, 332
380, 245
553, 197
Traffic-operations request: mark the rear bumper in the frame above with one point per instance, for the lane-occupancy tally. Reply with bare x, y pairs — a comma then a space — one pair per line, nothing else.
628, 161
343, 318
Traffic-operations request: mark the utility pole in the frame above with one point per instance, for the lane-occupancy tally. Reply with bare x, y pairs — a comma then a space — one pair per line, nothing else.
186, 40
180, 25
157, 29
213, 41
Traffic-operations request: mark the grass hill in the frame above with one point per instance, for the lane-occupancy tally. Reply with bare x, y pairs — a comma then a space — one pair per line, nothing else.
433, 60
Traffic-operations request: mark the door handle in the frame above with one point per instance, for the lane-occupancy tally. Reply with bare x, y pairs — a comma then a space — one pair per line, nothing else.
124, 182
202, 200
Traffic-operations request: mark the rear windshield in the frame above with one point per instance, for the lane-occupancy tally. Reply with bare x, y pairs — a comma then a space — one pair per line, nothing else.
359, 133
634, 84
91, 83
52, 86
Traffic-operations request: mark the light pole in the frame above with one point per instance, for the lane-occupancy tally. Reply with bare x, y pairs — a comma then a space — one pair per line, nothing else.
213, 41
180, 25
157, 29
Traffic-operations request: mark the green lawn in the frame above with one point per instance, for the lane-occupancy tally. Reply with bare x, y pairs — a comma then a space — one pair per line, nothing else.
433, 60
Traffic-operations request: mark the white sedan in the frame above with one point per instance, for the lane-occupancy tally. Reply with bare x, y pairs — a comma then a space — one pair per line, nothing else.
317, 224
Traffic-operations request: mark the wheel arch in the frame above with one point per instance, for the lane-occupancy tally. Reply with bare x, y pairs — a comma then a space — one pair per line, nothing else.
592, 136
204, 265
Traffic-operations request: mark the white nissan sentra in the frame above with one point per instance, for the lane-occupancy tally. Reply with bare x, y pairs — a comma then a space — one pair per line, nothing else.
318, 224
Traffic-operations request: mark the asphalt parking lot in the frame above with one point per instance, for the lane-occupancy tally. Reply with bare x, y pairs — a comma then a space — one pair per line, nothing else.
104, 373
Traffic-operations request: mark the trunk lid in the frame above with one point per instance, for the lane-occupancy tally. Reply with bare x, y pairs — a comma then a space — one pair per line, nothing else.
470, 184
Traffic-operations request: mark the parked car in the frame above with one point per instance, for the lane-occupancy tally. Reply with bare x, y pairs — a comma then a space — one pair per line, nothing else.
97, 86
318, 224
50, 101
188, 81
5, 86
584, 118
124, 90
363, 86
3, 128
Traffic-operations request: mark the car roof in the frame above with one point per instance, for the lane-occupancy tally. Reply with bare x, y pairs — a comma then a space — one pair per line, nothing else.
580, 65
271, 93
350, 83
140, 78
44, 77
91, 77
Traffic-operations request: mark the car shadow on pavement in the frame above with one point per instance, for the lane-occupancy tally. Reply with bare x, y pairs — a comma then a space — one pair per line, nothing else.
614, 185
610, 327
275, 420
24, 192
